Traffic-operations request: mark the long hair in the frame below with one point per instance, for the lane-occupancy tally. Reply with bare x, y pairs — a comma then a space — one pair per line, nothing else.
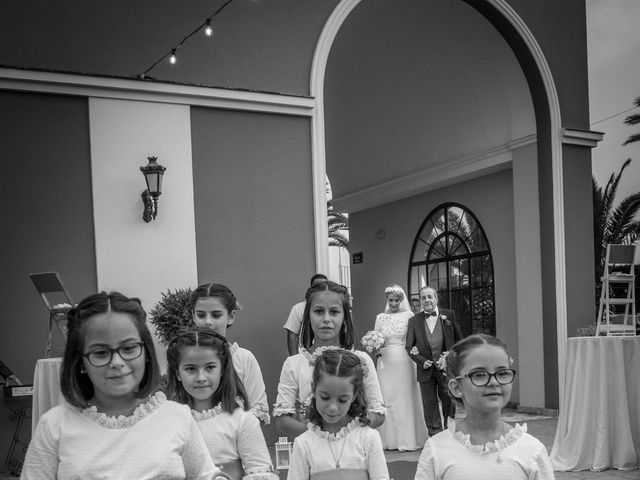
217, 290
75, 385
348, 336
344, 364
230, 388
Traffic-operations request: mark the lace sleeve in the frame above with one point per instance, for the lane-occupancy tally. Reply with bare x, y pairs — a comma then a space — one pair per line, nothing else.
544, 469
426, 464
299, 467
377, 325
375, 403
375, 460
287, 390
253, 451
254, 384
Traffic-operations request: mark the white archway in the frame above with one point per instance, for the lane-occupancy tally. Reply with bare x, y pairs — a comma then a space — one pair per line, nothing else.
318, 70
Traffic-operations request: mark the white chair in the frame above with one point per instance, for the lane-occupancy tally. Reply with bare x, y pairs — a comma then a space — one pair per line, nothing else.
617, 311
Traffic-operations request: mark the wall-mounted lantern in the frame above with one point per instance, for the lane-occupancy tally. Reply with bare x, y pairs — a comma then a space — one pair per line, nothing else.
153, 173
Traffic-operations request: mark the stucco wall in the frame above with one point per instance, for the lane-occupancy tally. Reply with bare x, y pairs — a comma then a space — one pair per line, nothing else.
386, 260
254, 226
47, 215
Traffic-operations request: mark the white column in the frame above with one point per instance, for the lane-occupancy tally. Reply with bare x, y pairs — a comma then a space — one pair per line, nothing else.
528, 277
137, 258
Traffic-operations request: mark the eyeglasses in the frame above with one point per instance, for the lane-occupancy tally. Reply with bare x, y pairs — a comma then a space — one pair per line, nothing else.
103, 356
481, 378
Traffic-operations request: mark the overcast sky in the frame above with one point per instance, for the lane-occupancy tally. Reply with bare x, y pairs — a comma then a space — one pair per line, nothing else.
613, 36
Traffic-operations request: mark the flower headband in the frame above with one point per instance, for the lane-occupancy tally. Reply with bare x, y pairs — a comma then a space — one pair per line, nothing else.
394, 289
313, 357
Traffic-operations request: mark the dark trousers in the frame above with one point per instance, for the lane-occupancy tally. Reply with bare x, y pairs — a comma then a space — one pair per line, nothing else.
431, 390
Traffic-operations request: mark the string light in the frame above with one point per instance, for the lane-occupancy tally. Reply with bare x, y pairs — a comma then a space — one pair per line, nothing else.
173, 58
208, 29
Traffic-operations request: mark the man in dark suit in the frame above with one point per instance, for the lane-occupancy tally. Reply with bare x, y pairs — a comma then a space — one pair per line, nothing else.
430, 333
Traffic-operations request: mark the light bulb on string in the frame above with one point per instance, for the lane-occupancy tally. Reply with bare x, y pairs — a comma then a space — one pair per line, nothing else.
208, 29
173, 59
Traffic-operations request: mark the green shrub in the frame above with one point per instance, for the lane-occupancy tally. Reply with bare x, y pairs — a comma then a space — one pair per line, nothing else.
171, 314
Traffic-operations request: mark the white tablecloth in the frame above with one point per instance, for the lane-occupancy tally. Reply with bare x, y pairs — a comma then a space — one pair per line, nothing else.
46, 387
599, 417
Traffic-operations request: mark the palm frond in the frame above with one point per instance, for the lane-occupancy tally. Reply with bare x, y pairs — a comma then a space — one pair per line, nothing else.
632, 119
632, 139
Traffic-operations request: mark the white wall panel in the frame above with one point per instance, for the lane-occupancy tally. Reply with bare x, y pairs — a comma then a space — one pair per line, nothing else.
137, 258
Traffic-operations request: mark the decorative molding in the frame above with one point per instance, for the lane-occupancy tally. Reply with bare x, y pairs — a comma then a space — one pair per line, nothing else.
318, 152
437, 176
584, 138
557, 179
148, 91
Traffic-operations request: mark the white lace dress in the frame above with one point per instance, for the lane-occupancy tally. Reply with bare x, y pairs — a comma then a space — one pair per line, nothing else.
350, 453
248, 370
450, 455
159, 440
294, 388
404, 427
236, 436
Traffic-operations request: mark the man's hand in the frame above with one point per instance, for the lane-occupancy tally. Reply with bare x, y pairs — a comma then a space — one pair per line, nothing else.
427, 364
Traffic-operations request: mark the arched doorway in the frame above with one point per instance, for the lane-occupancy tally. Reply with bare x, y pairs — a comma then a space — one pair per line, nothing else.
451, 253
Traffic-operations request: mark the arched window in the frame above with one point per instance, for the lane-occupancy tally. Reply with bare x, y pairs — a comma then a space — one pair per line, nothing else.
451, 253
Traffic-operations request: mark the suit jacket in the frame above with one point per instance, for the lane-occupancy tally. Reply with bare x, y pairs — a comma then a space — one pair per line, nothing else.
417, 337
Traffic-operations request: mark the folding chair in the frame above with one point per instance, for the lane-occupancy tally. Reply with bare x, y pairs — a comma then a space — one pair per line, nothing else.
617, 311
55, 296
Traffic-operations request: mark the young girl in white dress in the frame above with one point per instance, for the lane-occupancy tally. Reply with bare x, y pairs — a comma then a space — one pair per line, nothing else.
114, 424
339, 444
404, 427
215, 306
482, 446
326, 325
201, 375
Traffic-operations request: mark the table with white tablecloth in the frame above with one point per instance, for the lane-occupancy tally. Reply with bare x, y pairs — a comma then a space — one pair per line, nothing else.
599, 417
46, 387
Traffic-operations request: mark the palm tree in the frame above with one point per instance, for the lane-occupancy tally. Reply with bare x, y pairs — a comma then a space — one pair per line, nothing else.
617, 225
337, 223
633, 119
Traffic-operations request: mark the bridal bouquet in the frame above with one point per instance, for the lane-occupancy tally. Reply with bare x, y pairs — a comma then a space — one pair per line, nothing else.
373, 341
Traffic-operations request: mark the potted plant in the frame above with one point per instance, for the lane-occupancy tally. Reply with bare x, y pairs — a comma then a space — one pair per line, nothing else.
170, 314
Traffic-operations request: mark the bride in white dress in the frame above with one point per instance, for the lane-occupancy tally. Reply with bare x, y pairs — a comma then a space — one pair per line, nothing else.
404, 427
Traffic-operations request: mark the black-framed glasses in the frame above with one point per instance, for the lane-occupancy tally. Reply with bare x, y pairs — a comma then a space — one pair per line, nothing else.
102, 356
481, 378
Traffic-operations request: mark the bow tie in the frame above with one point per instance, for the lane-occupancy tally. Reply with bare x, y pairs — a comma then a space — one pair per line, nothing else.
432, 314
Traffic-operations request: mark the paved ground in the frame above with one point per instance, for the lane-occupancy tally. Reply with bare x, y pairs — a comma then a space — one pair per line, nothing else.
544, 429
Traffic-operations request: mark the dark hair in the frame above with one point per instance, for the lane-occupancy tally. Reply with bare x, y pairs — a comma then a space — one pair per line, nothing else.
348, 336
218, 290
318, 276
460, 351
344, 364
75, 385
230, 387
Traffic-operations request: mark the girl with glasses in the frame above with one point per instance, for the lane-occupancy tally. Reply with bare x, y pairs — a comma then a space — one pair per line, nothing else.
482, 445
114, 423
